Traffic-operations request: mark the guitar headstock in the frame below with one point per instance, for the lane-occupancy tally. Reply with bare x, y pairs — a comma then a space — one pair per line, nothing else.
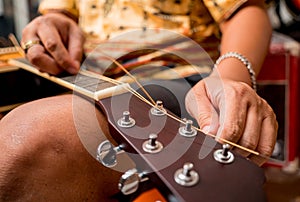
185, 167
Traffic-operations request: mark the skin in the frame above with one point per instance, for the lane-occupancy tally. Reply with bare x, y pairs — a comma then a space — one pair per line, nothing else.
238, 113
44, 158
224, 104
56, 53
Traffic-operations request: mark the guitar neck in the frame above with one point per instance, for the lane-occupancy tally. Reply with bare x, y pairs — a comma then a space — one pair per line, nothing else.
86, 83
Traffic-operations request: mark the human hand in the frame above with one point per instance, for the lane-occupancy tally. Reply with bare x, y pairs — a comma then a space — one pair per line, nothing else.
61, 43
233, 111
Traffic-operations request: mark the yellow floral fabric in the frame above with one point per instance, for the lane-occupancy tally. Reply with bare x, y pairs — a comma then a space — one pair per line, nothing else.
103, 19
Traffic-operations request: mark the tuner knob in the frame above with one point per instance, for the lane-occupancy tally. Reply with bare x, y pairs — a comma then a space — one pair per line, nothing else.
152, 145
158, 109
126, 121
187, 130
224, 155
186, 176
107, 154
130, 180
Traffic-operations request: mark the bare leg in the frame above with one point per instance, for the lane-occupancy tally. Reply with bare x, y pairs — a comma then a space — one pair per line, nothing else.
42, 158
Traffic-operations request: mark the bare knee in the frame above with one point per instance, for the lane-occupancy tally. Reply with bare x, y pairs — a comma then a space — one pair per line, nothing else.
44, 152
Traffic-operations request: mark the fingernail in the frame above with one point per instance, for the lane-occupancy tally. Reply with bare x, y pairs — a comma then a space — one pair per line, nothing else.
77, 64
205, 129
73, 69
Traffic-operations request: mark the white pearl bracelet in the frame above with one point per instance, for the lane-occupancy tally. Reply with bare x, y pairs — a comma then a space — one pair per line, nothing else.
244, 60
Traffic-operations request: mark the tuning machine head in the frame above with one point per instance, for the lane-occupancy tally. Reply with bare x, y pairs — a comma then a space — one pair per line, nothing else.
130, 180
224, 155
107, 154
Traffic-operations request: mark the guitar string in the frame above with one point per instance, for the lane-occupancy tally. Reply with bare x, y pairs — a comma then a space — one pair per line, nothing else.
16, 44
180, 44
131, 76
138, 95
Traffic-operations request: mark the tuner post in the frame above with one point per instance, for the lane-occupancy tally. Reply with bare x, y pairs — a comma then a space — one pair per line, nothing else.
186, 176
224, 155
158, 109
152, 145
126, 121
187, 130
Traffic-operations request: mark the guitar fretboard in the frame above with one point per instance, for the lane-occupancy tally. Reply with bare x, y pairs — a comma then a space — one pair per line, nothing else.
87, 83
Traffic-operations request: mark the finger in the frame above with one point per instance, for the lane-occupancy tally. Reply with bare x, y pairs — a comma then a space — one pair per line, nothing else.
75, 46
233, 113
251, 133
267, 139
30, 32
28, 36
37, 56
55, 47
200, 107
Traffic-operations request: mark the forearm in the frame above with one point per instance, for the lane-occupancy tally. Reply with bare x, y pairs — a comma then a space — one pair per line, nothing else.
248, 32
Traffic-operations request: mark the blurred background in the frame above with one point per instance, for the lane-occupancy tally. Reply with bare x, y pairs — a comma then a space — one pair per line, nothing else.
279, 84
15, 14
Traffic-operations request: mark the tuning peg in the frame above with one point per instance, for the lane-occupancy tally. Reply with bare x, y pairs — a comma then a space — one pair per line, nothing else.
158, 109
126, 121
186, 176
107, 154
224, 155
130, 180
152, 145
187, 130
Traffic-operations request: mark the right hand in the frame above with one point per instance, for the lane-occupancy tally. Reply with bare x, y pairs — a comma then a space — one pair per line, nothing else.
233, 111
61, 47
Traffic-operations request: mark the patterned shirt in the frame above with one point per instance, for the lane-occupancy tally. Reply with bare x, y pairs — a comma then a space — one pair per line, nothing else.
103, 19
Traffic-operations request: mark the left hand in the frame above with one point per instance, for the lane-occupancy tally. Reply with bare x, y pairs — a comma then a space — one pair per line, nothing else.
233, 111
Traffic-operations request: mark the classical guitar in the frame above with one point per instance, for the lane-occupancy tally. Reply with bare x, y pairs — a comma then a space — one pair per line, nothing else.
165, 148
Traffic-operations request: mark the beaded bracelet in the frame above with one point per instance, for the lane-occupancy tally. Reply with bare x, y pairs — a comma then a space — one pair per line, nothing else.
244, 60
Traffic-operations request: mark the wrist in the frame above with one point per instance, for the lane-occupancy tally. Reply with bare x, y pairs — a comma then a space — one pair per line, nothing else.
235, 66
61, 11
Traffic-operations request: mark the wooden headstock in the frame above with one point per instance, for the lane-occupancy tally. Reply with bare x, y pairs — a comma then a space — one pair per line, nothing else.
239, 180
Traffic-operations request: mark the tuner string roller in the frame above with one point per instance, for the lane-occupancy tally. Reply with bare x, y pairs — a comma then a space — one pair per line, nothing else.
126, 121
152, 145
186, 176
224, 155
158, 109
188, 130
